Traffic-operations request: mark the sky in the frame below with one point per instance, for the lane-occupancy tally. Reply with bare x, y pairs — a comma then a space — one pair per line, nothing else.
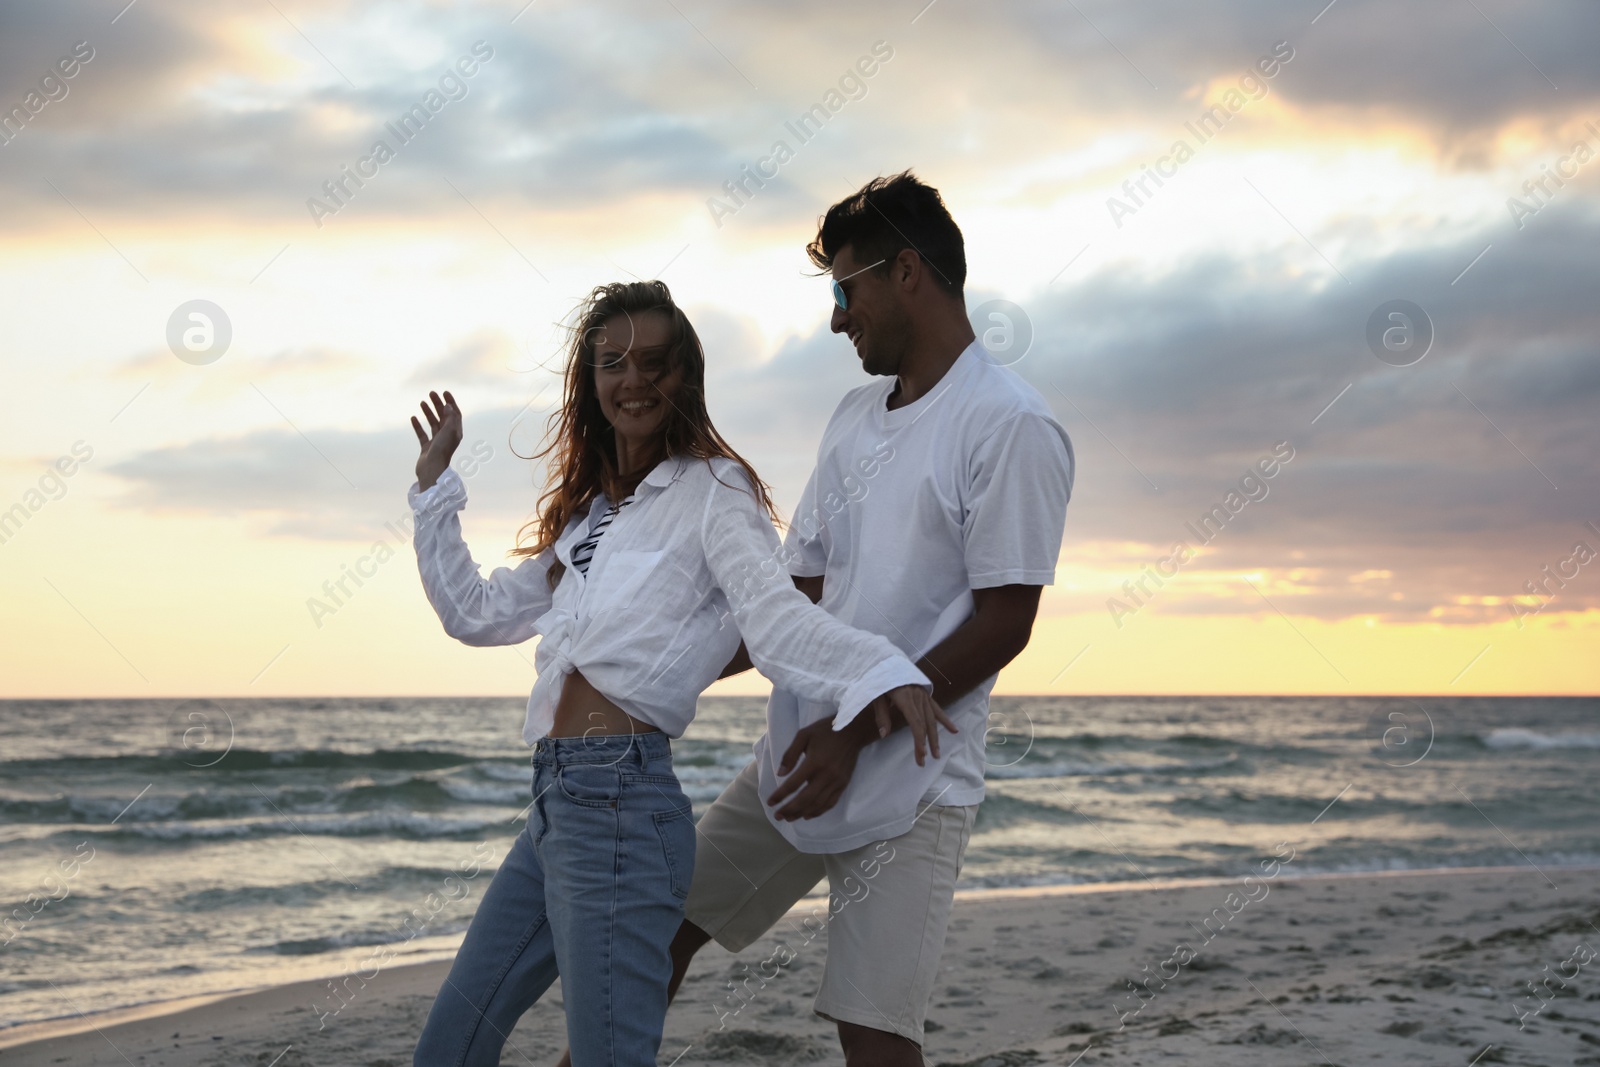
1353, 243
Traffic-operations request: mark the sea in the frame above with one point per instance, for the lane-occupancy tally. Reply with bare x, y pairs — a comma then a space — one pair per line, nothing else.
161, 849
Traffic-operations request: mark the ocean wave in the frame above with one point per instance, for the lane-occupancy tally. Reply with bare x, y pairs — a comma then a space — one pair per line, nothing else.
314, 946
1507, 859
1006, 729
1512, 737
504, 793
359, 793
718, 772
1023, 769
412, 825
244, 759
1114, 868
506, 771
321, 884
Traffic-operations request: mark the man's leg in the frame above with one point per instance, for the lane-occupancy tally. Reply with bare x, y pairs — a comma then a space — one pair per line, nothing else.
889, 907
863, 1045
689, 940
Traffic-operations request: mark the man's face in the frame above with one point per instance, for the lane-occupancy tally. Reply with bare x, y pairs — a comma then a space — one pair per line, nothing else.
875, 320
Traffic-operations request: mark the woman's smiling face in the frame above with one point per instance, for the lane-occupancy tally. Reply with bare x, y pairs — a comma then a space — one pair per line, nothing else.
633, 374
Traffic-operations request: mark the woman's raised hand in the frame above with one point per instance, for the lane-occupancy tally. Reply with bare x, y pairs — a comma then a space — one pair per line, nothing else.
444, 419
923, 717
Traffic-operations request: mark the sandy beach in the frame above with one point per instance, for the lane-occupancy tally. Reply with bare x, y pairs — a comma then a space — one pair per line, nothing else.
1477, 966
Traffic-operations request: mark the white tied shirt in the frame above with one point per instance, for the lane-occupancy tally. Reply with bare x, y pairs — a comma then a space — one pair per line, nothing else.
685, 570
907, 512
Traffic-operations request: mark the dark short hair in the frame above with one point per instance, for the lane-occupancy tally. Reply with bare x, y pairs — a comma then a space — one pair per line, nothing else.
885, 217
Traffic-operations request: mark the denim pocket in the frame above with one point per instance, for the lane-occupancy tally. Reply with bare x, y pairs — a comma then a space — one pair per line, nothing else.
676, 827
661, 782
590, 785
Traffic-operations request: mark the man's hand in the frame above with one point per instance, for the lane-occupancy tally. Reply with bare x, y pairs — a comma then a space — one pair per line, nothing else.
998, 630
827, 756
828, 760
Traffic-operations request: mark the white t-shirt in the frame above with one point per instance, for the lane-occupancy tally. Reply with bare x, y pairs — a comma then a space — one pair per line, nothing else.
906, 513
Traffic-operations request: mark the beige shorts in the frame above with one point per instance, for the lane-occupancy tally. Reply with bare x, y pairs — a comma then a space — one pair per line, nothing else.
888, 907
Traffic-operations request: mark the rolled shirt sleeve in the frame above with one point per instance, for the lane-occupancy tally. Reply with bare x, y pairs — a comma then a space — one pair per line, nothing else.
792, 641
499, 610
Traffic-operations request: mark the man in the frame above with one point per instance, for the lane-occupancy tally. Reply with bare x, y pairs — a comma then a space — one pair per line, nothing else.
934, 517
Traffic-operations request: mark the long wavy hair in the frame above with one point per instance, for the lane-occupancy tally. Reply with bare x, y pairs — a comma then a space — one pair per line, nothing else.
581, 452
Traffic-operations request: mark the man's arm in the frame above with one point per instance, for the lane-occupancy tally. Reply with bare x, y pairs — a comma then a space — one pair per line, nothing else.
999, 629
811, 587
1001, 624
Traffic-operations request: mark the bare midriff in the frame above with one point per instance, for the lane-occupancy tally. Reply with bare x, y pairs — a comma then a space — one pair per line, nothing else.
583, 711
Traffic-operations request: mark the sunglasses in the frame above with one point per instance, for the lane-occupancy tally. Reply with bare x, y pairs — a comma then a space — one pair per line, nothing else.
840, 297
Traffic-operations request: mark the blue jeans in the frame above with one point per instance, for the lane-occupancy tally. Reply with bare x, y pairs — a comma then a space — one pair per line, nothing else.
592, 890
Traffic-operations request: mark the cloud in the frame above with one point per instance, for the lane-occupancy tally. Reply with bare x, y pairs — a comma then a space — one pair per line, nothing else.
307, 363
167, 123
329, 484
187, 112
487, 358
1434, 473
1441, 66
610, 121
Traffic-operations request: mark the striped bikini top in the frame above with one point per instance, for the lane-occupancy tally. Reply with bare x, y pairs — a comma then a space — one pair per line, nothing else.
583, 551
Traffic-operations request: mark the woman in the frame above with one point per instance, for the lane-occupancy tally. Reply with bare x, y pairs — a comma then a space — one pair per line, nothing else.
652, 554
